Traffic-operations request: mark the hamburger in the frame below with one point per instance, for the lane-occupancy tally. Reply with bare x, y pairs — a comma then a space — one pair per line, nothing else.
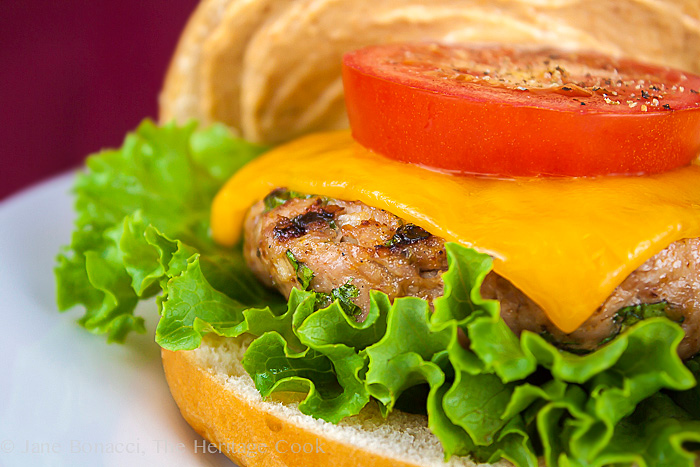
400, 336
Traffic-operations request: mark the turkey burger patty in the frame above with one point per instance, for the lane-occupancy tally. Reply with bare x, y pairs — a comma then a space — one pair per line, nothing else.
346, 248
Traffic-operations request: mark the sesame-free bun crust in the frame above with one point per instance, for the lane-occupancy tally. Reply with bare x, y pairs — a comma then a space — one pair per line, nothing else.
270, 69
218, 399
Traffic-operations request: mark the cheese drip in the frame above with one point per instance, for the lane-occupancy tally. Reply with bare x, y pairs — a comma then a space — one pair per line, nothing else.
565, 242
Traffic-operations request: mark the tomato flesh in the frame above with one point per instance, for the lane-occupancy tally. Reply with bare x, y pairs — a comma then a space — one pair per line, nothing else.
508, 112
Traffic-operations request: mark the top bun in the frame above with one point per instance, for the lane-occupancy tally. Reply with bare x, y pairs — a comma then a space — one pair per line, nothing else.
270, 69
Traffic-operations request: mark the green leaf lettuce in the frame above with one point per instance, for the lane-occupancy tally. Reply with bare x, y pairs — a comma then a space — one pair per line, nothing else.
143, 230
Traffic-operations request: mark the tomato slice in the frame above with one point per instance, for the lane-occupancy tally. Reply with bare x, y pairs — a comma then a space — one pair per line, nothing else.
505, 111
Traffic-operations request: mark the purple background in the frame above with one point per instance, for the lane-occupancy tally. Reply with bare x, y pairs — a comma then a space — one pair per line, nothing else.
76, 75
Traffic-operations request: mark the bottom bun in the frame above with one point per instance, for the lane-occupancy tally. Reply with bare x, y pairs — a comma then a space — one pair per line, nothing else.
218, 399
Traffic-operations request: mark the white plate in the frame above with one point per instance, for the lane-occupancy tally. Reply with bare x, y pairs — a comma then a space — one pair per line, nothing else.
66, 396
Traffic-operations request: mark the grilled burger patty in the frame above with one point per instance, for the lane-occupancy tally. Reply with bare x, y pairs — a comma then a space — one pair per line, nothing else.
328, 245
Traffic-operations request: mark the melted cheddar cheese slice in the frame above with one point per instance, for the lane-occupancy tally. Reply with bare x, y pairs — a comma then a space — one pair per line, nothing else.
566, 243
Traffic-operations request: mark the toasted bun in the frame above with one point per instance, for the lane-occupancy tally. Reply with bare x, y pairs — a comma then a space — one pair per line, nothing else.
271, 68
218, 399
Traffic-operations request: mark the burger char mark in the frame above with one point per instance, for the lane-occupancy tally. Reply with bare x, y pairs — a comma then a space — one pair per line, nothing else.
316, 216
332, 246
